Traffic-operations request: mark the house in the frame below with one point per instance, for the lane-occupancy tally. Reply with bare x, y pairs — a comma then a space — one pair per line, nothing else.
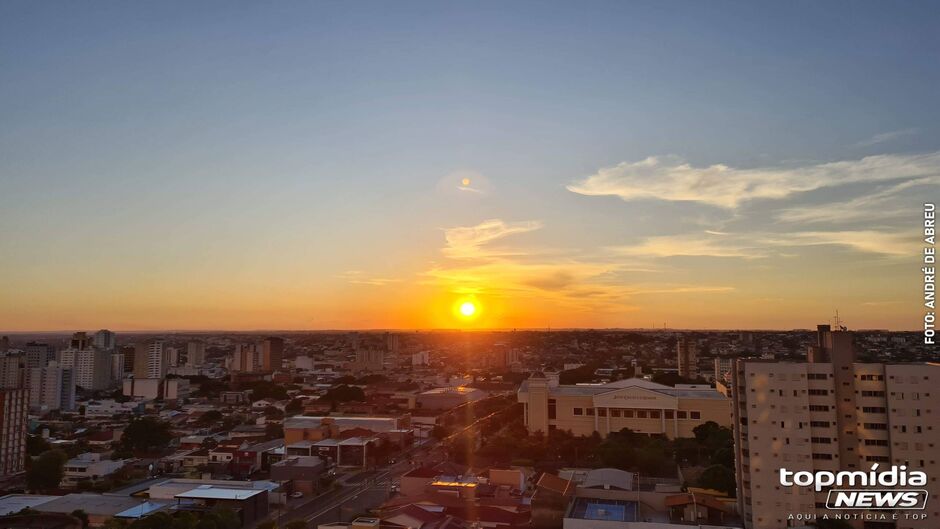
88, 467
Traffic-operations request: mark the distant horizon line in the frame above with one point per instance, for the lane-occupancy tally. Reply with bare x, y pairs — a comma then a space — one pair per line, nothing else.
444, 329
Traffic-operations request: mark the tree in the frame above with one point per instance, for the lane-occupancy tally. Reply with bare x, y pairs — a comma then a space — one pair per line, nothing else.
718, 477
46, 472
210, 417
294, 407
146, 434
36, 445
273, 430
344, 393
81, 515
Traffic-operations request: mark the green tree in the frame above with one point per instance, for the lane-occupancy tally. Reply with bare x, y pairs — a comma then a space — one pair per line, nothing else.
294, 407
344, 393
81, 515
210, 418
46, 471
146, 434
36, 445
718, 477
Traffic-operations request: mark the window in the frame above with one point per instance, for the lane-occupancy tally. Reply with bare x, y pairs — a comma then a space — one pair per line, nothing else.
681, 414
827, 457
818, 408
695, 414
876, 442
821, 440
628, 414
654, 414
670, 414
872, 377
552, 408
817, 376
819, 424
873, 409
819, 392
875, 426
615, 412
640, 414
602, 412
873, 393
589, 411
578, 411
877, 459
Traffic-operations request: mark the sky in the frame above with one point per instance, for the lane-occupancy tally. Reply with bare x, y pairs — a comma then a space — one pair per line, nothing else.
333, 165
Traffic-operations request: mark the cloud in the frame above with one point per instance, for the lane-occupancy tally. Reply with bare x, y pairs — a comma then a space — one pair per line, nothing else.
694, 245
763, 244
358, 277
868, 241
671, 178
885, 137
466, 242
865, 208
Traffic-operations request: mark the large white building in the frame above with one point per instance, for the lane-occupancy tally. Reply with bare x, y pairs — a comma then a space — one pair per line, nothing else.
830, 414
91, 367
51, 388
196, 353
637, 404
12, 365
105, 340
151, 359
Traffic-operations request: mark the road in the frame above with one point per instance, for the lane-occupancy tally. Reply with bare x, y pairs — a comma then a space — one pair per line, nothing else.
357, 494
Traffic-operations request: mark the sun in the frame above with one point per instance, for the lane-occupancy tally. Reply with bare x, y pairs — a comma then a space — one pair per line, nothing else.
465, 182
468, 309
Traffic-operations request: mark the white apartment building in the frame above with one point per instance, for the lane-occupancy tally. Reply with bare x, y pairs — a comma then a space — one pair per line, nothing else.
51, 388
830, 414
151, 359
91, 368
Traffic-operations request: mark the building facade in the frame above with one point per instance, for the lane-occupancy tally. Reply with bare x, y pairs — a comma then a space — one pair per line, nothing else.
686, 358
637, 404
151, 359
830, 414
14, 406
51, 387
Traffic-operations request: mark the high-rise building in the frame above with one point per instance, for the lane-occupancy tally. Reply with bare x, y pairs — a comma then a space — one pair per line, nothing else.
369, 359
246, 359
117, 366
151, 359
105, 340
4, 344
51, 387
392, 343
723, 367
196, 353
272, 353
832, 414
172, 357
80, 341
91, 368
39, 354
14, 406
687, 358
12, 369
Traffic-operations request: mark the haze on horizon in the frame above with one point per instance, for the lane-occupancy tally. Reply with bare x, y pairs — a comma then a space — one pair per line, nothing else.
238, 166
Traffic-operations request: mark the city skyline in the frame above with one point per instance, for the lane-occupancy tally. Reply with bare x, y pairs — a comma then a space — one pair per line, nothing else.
326, 166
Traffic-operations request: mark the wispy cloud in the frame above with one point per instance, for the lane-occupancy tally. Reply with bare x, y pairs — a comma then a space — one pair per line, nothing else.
358, 277
672, 179
762, 245
886, 137
867, 207
467, 242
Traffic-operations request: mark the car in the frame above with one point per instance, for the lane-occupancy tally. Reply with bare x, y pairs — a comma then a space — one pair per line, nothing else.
297, 494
